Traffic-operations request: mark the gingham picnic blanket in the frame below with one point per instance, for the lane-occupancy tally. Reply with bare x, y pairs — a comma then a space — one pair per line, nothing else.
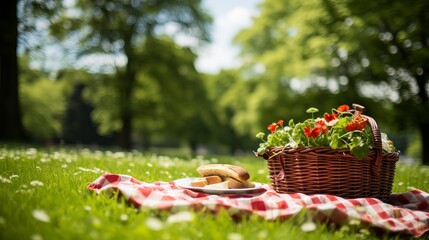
407, 213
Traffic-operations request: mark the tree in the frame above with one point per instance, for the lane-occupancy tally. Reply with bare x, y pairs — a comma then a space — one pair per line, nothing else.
18, 20
11, 127
388, 50
229, 97
374, 53
119, 28
169, 100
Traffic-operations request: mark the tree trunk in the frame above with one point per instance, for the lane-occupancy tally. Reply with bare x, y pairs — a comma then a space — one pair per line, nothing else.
11, 127
424, 132
126, 87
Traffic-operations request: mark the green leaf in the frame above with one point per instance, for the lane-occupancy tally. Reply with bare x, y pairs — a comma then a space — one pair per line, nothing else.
360, 152
312, 110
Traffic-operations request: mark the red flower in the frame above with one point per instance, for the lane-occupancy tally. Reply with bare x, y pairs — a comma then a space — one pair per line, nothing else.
322, 126
356, 125
312, 133
330, 117
343, 108
272, 127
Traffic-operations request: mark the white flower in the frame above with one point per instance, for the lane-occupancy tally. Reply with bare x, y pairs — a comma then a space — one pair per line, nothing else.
87, 208
154, 223
5, 180
184, 216
36, 237
308, 227
235, 236
35, 183
123, 217
41, 215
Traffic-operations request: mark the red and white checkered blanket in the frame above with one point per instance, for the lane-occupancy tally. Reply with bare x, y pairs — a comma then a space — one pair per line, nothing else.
408, 212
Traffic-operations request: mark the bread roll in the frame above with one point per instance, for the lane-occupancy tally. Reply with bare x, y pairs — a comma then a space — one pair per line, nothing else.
199, 182
224, 170
213, 179
232, 183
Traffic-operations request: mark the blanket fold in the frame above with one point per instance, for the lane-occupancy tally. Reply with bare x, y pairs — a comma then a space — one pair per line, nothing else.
407, 212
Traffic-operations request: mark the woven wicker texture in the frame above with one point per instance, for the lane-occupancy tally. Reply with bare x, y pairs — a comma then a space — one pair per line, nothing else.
322, 170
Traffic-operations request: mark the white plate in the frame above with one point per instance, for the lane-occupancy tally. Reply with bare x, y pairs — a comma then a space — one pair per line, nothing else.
186, 183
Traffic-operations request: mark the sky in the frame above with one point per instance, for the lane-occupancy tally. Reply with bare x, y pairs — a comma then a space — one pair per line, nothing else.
229, 16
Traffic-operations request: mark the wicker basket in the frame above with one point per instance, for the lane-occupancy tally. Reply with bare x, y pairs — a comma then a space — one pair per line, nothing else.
322, 170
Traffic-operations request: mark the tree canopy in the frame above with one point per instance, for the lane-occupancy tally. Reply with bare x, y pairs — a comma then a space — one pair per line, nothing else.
375, 53
122, 28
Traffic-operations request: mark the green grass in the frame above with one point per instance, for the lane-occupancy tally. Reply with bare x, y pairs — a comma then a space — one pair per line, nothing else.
54, 181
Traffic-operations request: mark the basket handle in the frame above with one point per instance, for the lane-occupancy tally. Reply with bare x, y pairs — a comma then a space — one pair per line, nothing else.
376, 136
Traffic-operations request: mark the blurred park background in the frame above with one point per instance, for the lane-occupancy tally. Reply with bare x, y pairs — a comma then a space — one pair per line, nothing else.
141, 74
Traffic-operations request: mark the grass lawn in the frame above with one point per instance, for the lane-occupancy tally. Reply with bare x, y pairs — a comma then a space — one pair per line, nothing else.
43, 195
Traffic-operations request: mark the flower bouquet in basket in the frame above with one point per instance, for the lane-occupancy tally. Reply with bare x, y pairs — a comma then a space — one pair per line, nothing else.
342, 153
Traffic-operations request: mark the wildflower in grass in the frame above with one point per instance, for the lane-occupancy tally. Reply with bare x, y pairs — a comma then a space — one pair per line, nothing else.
185, 216
13, 176
36, 237
118, 155
262, 234
36, 183
44, 160
5, 180
95, 170
64, 166
87, 208
41, 215
261, 171
31, 151
154, 224
235, 236
123, 217
308, 226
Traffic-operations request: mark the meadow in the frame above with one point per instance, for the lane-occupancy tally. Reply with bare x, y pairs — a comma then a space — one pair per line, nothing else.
43, 195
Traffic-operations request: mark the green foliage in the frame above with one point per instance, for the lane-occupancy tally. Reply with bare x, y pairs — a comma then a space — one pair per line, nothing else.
42, 101
123, 28
340, 51
42, 105
52, 183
